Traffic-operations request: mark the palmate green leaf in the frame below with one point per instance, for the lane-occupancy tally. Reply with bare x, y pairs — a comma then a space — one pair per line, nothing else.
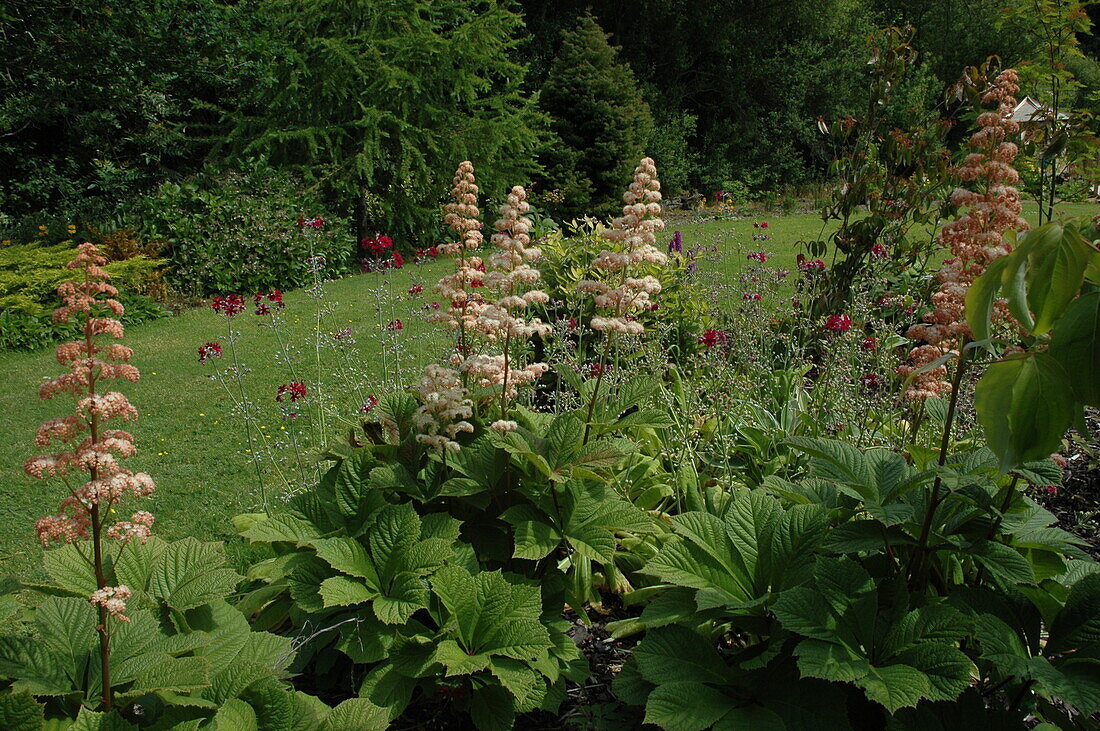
21, 712
677, 652
134, 567
33, 667
535, 539
344, 591
88, 720
348, 556
236, 715
406, 594
67, 626
895, 686
1025, 406
1003, 561
1077, 626
493, 615
366, 640
492, 708
281, 528
392, 533
355, 713
949, 671
1077, 684
354, 496
70, 570
686, 706
457, 661
178, 674
830, 661
1076, 345
836, 460
189, 574
981, 295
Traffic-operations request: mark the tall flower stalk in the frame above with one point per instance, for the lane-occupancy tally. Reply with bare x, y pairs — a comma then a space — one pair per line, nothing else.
621, 292
89, 463
991, 208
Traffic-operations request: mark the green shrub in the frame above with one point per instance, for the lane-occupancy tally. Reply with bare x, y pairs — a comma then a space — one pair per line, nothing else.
229, 231
29, 277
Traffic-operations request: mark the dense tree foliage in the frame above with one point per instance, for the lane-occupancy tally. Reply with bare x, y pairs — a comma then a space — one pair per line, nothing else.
373, 100
600, 121
367, 101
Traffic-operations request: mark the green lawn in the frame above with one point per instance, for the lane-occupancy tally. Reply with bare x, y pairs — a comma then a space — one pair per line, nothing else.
185, 441
197, 455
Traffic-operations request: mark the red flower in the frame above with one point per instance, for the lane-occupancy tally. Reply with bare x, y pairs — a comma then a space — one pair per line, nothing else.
208, 351
879, 251
317, 222
816, 265
274, 296
294, 391
871, 381
755, 296
431, 305
395, 325
838, 323
869, 344
596, 370
398, 260
368, 405
712, 337
417, 289
229, 305
760, 256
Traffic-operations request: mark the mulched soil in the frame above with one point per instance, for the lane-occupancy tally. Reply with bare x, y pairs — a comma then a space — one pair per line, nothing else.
1076, 503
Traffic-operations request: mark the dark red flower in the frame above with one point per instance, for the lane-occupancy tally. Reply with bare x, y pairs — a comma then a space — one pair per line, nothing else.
869, 344
760, 256
229, 305
368, 405
838, 323
416, 289
316, 222
879, 251
208, 351
395, 325
398, 260
815, 265
294, 391
872, 381
712, 337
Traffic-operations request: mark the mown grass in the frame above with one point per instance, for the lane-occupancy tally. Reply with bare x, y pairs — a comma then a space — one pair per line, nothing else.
197, 454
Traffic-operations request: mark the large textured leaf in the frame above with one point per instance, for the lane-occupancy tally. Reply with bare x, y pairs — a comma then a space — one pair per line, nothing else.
67, 626
686, 706
895, 686
33, 667
179, 674
948, 670
348, 555
1003, 561
281, 528
70, 570
829, 661
189, 574
236, 715
1076, 345
980, 298
1077, 626
1025, 406
492, 708
355, 713
21, 712
407, 593
836, 460
677, 652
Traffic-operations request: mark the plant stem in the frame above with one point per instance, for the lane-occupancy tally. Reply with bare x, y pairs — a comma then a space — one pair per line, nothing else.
918, 563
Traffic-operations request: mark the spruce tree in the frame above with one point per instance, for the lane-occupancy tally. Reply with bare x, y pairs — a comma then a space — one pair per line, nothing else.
598, 117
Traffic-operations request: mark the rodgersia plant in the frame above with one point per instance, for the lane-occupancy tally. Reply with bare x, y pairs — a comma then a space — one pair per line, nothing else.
89, 465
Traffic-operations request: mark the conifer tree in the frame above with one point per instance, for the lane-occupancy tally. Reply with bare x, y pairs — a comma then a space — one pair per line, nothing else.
375, 100
598, 117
